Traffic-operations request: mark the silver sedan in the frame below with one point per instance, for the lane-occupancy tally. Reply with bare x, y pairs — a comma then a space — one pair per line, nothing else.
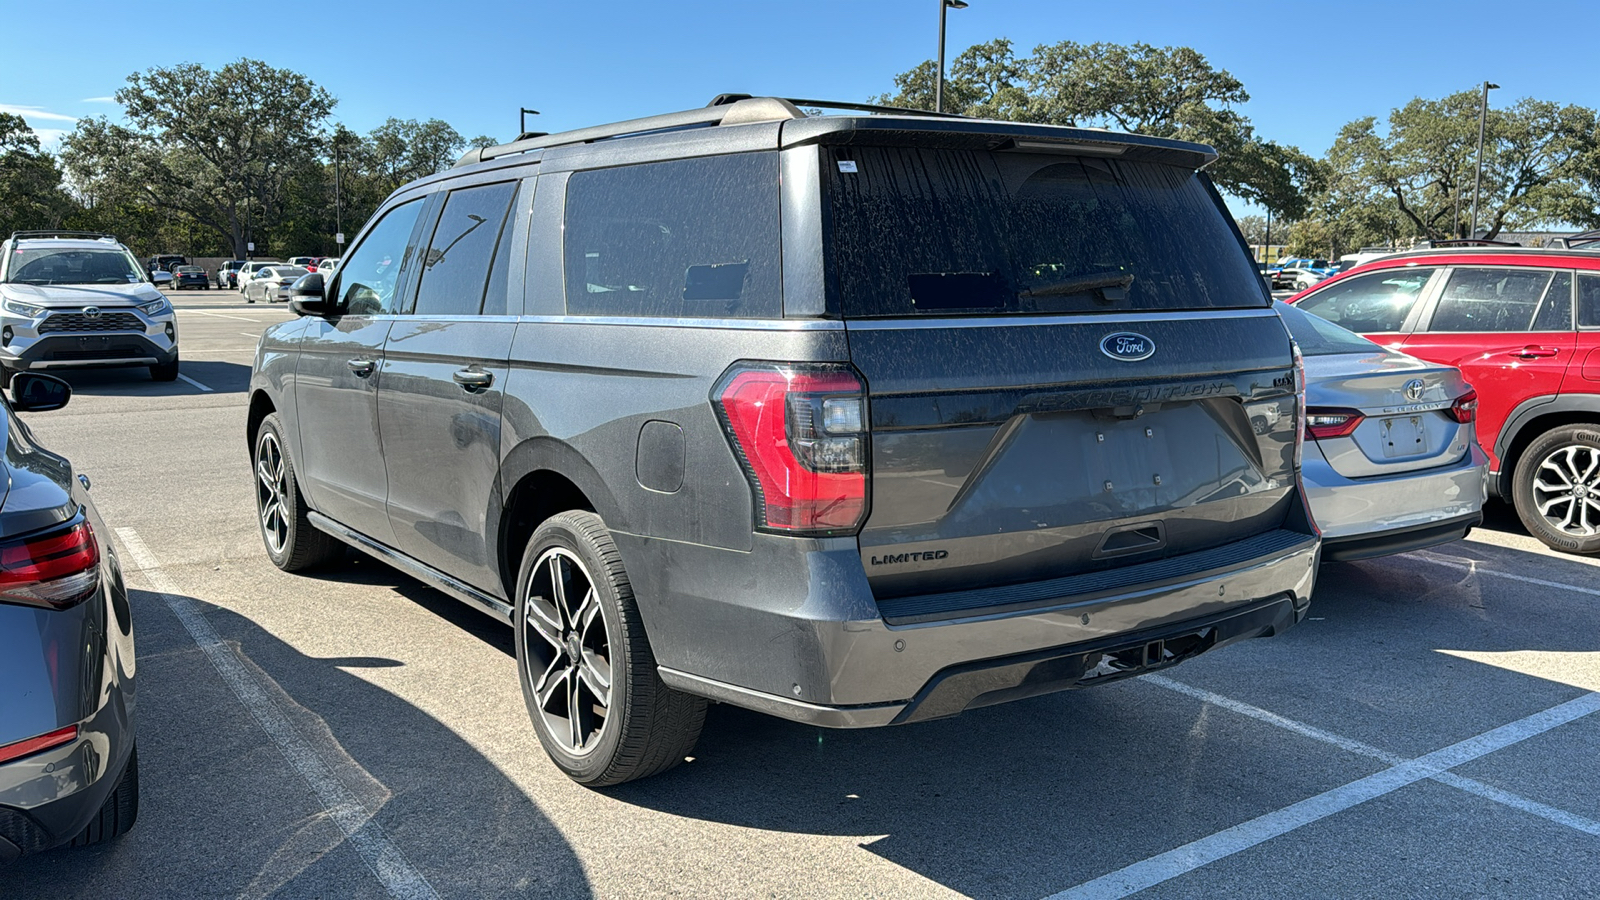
271, 283
1391, 460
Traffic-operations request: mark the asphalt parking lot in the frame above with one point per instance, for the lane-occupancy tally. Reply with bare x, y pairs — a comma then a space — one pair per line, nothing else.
1430, 730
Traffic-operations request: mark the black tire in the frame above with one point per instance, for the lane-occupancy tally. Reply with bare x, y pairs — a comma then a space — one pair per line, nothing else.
292, 542
5, 377
167, 371
120, 810
646, 727
1554, 473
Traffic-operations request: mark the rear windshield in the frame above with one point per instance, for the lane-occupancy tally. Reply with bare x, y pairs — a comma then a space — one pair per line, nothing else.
1319, 337
967, 232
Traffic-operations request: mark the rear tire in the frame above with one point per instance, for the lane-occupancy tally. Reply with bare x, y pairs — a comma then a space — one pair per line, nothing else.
120, 810
587, 671
167, 371
293, 543
1556, 488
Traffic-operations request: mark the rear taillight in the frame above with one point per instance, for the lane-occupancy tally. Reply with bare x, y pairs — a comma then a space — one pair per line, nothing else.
1465, 409
1322, 422
800, 432
53, 571
19, 749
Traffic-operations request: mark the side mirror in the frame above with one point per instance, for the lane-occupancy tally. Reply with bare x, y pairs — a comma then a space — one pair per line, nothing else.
307, 296
33, 392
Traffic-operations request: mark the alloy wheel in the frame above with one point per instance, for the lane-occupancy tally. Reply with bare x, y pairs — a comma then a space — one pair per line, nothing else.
271, 488
1566, 490
567, 645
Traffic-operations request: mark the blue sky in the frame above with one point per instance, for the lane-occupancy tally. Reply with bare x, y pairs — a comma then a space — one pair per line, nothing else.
1308, 67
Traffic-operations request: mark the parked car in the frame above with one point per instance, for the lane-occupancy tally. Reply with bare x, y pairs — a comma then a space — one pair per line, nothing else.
69, 773
165, 262
75, 300
309, 263
1029, 468
228, 273
1391, 460
190, 276
271, 283
1505, 317
1298, 278
327, 266
249, 269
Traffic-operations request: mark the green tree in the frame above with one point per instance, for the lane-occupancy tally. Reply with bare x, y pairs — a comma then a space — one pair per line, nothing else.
30, 182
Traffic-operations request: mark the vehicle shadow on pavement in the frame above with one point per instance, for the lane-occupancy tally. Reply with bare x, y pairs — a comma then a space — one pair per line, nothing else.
358, 568
223, 813
220, 377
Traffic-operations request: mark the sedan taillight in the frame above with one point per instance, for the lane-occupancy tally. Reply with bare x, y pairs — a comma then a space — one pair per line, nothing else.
1465, 409
52, 571
1323, 422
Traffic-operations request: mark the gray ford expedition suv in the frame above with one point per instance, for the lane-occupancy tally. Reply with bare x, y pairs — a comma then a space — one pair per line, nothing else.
854, 420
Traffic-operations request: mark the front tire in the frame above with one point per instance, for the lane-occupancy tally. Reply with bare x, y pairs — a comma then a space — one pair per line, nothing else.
293, 543
1556, 488
167, 371
587, 671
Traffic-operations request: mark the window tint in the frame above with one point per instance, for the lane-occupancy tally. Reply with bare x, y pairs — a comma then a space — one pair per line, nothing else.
693, 237
1317, 336
1555, 311
1373, 303
1589, 300
370, 281
1490, 299
945, 232
456, 266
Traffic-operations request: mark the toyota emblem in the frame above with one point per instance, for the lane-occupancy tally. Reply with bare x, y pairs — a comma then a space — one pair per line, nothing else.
1414, 389
91, 312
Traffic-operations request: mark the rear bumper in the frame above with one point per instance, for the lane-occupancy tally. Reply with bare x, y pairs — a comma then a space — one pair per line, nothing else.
791, 628
1399, 540
1352, 509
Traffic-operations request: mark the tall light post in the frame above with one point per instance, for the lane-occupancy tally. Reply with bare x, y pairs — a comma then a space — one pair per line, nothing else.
938, 81
522, 121
1483, 112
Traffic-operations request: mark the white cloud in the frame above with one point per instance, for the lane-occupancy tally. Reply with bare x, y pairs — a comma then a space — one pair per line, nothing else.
35, 113
98, 100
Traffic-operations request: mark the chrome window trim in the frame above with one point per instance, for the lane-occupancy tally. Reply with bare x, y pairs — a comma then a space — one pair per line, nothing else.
724, 324
1106, 318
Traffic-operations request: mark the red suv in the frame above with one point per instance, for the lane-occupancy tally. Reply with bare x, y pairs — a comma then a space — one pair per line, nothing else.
1523, 325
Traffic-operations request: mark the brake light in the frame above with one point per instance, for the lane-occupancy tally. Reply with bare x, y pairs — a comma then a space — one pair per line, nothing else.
54, 571
1465, 409
1322, 422
29, 746
799, 432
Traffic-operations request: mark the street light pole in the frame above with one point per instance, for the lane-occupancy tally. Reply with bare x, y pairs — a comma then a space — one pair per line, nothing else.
938, 80
522, 122
1483, 112
338, 205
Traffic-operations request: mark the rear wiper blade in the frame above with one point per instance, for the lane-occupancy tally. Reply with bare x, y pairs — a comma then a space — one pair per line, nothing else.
1104, 282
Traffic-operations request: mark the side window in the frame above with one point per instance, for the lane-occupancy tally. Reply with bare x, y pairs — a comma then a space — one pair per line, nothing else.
692, 237
369, 280
495, 301
1589, 300
455, 267
1555, 311
1490, 300
1373, 303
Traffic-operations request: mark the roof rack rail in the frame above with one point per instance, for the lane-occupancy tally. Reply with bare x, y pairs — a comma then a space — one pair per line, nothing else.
1466, 242
1573, 241
722, 99
735, 112
60, 234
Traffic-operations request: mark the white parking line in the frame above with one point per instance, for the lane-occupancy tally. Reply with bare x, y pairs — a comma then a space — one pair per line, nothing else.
206, 312
1471, 565
193, 382
387, 863
254, 334
1181, 860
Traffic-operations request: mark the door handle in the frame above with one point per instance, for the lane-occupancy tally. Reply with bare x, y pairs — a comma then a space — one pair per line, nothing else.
1534, 352
362, 367
472, 381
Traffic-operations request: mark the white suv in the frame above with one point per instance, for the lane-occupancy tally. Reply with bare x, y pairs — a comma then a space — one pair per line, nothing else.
77, 300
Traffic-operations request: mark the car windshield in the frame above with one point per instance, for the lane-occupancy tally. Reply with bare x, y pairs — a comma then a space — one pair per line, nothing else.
1317, 336
85, 266
949, 232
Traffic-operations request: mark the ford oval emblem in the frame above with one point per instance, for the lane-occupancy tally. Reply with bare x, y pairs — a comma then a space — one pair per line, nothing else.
1127, 346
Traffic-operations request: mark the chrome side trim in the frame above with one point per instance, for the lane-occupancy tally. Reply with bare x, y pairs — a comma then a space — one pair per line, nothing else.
92, 363
462, 591
724, 324
1059, 319
782, 707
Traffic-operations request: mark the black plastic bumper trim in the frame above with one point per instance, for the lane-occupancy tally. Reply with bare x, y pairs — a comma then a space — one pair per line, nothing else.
1400, 540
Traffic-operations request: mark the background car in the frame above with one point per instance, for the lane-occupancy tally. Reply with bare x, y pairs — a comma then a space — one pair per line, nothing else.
69, 773
228, 273
1298, 278
165, 262
249, 270
1391, 460
327, 266
271, 283
190, 276
309, 263
1521, 324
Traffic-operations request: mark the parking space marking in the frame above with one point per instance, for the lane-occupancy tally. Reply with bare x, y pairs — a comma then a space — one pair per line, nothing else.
206, 312
195, 383
1222, 844
360, 828
1471, 565
254, 334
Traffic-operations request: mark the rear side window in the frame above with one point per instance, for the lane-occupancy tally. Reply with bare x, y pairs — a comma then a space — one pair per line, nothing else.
960, 232
687, 238
1490, 300
1589, 300
1373, 303
455, 268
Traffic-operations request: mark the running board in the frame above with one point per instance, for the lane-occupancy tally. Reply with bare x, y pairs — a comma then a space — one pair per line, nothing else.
460, 590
